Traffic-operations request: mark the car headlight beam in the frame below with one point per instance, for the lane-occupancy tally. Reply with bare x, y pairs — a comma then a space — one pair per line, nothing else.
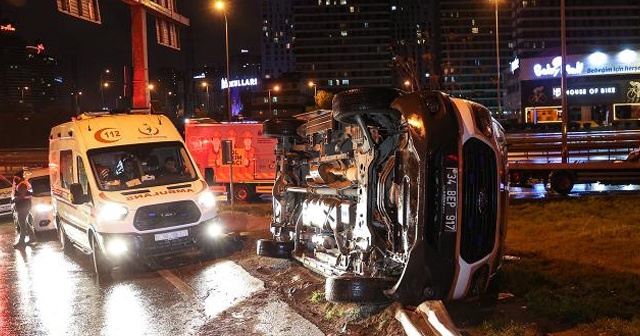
207, 200
117, 246
112, 212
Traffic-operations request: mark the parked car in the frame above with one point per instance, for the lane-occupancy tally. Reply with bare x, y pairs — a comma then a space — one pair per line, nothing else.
5, 196
40, 218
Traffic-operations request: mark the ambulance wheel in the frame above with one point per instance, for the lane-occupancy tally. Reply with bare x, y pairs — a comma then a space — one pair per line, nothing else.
101, 265
274, 249
65, 242
351, 288
281, 127
243, 193
364, 102
561, 182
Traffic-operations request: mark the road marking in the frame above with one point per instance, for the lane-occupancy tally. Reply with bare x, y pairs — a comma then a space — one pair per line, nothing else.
185, 289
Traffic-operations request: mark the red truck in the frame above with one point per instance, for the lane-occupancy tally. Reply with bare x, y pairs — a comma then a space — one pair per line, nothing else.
254, 161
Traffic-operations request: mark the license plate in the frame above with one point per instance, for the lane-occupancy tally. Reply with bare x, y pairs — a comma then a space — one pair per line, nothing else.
451, 200
171, 235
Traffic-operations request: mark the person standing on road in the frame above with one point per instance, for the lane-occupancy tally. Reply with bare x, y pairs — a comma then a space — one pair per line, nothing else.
22, 204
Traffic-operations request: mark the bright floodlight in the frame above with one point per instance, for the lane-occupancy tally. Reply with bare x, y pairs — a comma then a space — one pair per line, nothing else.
598, 58
627, 56
219, 5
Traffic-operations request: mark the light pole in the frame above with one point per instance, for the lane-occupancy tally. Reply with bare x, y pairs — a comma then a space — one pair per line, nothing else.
276, 88
103, 85
22, 89
221, 7
205, 85
315, 91
498, 95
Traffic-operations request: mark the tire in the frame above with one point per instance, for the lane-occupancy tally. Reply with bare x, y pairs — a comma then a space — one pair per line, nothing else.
346, 288
101, 265
561, 182
274, 249
281, 127
65, 242
243, 193
367, 101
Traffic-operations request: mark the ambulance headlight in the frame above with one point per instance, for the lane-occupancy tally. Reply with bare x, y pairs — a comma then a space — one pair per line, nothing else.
112, 212
43, 208
117, 246
207, 200
215, 230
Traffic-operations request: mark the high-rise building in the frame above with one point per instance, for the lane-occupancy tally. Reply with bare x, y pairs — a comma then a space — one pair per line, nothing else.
589, 24
469, 47
341, 44
277, 38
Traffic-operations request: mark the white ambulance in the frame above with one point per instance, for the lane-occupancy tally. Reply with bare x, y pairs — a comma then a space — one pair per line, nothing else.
124, 187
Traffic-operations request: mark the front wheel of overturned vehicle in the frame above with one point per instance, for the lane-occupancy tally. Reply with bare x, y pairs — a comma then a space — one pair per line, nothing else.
349, 288
274, 248
348, 105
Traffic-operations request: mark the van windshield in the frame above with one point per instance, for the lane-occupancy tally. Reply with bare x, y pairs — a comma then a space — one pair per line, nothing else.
141, 165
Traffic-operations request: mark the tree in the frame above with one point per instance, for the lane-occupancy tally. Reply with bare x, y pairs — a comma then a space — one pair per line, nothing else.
323, 99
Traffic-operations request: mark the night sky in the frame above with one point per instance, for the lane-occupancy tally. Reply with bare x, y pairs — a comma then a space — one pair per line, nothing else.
97, 47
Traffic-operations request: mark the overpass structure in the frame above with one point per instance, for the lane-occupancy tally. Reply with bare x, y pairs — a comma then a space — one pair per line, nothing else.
168, 22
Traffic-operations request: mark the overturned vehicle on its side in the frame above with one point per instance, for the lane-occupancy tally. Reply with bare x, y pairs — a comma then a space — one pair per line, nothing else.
391, 196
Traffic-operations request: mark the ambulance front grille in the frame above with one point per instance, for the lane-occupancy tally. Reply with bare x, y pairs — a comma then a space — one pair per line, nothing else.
166, 215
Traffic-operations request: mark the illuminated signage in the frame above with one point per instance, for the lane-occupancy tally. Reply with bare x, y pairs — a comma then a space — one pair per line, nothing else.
238, 82
8, 27
588, 91
624, 62
553, 69
201, 75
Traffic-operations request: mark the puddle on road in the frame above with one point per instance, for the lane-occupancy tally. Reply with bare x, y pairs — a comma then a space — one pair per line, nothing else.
229, 284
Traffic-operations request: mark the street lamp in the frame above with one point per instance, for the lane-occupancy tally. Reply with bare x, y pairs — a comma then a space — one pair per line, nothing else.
498, 95
103, 85
205, 85
275, 88
408, 84
315, 91
151, 87
221, 7
22, 89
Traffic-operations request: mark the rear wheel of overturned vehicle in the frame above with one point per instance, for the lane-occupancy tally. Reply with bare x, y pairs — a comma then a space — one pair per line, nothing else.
274, 248
364, 102
281, 127
65, 242
101, 265
561, 182
348, 288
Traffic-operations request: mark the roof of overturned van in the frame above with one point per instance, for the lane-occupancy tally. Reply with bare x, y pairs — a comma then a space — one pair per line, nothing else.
106, 130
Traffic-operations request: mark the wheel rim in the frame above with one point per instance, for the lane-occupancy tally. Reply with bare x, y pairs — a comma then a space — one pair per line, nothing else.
242, 194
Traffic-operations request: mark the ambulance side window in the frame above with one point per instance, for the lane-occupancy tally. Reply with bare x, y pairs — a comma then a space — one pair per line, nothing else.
82, 176
66, 168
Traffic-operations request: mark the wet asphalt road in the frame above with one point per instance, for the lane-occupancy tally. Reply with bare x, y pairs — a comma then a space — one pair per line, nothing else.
45, 292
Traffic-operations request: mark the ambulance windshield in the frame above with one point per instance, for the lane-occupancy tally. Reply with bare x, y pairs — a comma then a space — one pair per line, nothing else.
141, 165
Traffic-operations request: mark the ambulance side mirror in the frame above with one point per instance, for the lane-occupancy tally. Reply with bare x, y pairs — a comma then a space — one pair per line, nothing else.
208, 175
77, 194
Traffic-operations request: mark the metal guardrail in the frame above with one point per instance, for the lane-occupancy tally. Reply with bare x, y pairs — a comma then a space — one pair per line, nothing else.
581, 146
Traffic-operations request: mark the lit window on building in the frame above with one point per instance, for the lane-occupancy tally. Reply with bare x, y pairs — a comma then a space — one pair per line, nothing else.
345, 82
474, 30
352, 9
343, 2
394, 8
366, 24
330, 82
343, 33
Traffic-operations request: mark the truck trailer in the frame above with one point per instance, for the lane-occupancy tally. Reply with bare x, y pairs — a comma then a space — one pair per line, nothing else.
253, 162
